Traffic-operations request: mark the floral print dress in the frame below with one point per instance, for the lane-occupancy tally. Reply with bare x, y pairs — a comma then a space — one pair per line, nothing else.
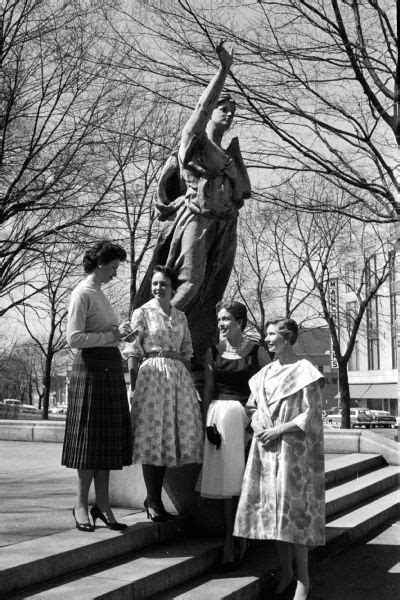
283, 490
165, 413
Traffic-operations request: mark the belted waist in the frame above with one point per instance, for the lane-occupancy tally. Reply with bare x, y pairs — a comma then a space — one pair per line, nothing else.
226, 396
163, 354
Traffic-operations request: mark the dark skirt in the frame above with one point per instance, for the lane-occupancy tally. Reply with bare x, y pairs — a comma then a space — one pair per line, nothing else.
98, 428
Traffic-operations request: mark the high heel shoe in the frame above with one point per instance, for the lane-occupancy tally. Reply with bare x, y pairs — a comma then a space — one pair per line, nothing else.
97, 514
82, 526
287, 592
157, 517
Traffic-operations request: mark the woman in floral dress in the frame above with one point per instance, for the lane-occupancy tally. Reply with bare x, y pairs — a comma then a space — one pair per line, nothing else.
165, 411
283, 490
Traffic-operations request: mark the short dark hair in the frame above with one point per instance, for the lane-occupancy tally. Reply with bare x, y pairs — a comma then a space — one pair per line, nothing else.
236, 309
287, 328
102, 253
167, 272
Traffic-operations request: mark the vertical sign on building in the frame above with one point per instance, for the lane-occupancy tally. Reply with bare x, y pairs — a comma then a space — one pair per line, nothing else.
333, 303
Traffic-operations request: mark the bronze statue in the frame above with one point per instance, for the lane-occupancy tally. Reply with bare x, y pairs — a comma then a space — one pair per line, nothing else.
201, 189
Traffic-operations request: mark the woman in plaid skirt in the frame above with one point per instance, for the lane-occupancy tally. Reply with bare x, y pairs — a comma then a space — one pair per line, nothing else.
97, 430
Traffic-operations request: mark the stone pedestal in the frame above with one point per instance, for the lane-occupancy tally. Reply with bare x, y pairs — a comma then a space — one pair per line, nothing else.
127, 489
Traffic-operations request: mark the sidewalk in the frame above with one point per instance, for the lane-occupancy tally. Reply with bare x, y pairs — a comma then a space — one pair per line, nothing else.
37, 495
368, 571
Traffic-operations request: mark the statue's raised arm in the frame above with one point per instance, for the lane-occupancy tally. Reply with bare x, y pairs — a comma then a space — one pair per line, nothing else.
208, 101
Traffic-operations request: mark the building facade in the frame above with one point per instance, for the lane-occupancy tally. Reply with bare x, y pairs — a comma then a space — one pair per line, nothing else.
373, 366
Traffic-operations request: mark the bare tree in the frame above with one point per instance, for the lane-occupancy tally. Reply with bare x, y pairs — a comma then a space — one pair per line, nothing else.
327, 242
267, 278
136, 141
317, 81
55, 88
45, 319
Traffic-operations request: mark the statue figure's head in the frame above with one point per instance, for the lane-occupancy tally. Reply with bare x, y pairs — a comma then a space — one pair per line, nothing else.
224, 112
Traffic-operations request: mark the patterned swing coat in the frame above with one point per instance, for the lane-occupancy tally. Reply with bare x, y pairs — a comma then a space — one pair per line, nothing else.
283, 490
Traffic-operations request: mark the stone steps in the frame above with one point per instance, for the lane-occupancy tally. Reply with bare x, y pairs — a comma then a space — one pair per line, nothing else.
42, 559
347, 495
252, 578
166, 561
144, 574
348, 466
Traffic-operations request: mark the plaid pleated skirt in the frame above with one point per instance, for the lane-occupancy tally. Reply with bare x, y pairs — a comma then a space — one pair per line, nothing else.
98, 428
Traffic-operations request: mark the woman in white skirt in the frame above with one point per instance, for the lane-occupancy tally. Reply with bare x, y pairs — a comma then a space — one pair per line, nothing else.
228, 368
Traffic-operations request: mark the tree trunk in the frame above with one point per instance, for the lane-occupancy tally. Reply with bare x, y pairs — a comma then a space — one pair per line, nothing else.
344, 391
133, 274
46, 386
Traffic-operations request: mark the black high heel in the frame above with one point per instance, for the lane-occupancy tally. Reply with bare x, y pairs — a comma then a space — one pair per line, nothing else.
288, 591
157, 517
97, 514
82, 526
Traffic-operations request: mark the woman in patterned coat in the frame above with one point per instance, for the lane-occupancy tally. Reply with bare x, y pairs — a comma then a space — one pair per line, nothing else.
165, 413
283, 491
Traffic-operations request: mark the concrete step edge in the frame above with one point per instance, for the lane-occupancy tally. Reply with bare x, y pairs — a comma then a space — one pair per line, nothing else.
42, 559
360, 523
357, 516
140, 576
350, 465
249, 581
342, 497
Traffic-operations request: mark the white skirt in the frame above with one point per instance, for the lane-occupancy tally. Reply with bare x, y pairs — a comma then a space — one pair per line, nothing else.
223, 468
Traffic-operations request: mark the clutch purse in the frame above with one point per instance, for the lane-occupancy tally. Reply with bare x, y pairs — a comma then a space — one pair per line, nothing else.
213, 435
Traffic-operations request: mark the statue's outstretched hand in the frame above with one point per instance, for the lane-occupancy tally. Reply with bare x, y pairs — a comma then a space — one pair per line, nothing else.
225, 57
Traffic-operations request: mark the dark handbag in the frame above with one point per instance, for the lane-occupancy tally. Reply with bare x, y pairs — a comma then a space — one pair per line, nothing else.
213, 435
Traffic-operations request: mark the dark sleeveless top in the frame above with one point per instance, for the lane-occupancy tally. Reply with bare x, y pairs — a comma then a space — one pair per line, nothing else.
232, 375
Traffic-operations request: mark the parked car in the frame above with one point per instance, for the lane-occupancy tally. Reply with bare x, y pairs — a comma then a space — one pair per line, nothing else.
359, 417
383, 418
12, 402
29, 408
59, 410
10, 408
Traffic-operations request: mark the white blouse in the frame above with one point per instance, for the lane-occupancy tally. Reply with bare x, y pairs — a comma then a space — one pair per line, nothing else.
157, 331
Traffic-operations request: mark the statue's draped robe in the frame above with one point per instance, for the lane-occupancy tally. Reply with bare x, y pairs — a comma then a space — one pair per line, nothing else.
283, 490
198, 238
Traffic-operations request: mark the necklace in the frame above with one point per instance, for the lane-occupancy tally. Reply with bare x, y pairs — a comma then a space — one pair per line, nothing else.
236, 349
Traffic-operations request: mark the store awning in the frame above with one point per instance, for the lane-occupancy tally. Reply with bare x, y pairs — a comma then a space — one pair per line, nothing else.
359, 390
372, 390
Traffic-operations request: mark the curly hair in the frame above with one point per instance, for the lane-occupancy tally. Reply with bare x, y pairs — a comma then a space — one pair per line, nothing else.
236, 309
102, 253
